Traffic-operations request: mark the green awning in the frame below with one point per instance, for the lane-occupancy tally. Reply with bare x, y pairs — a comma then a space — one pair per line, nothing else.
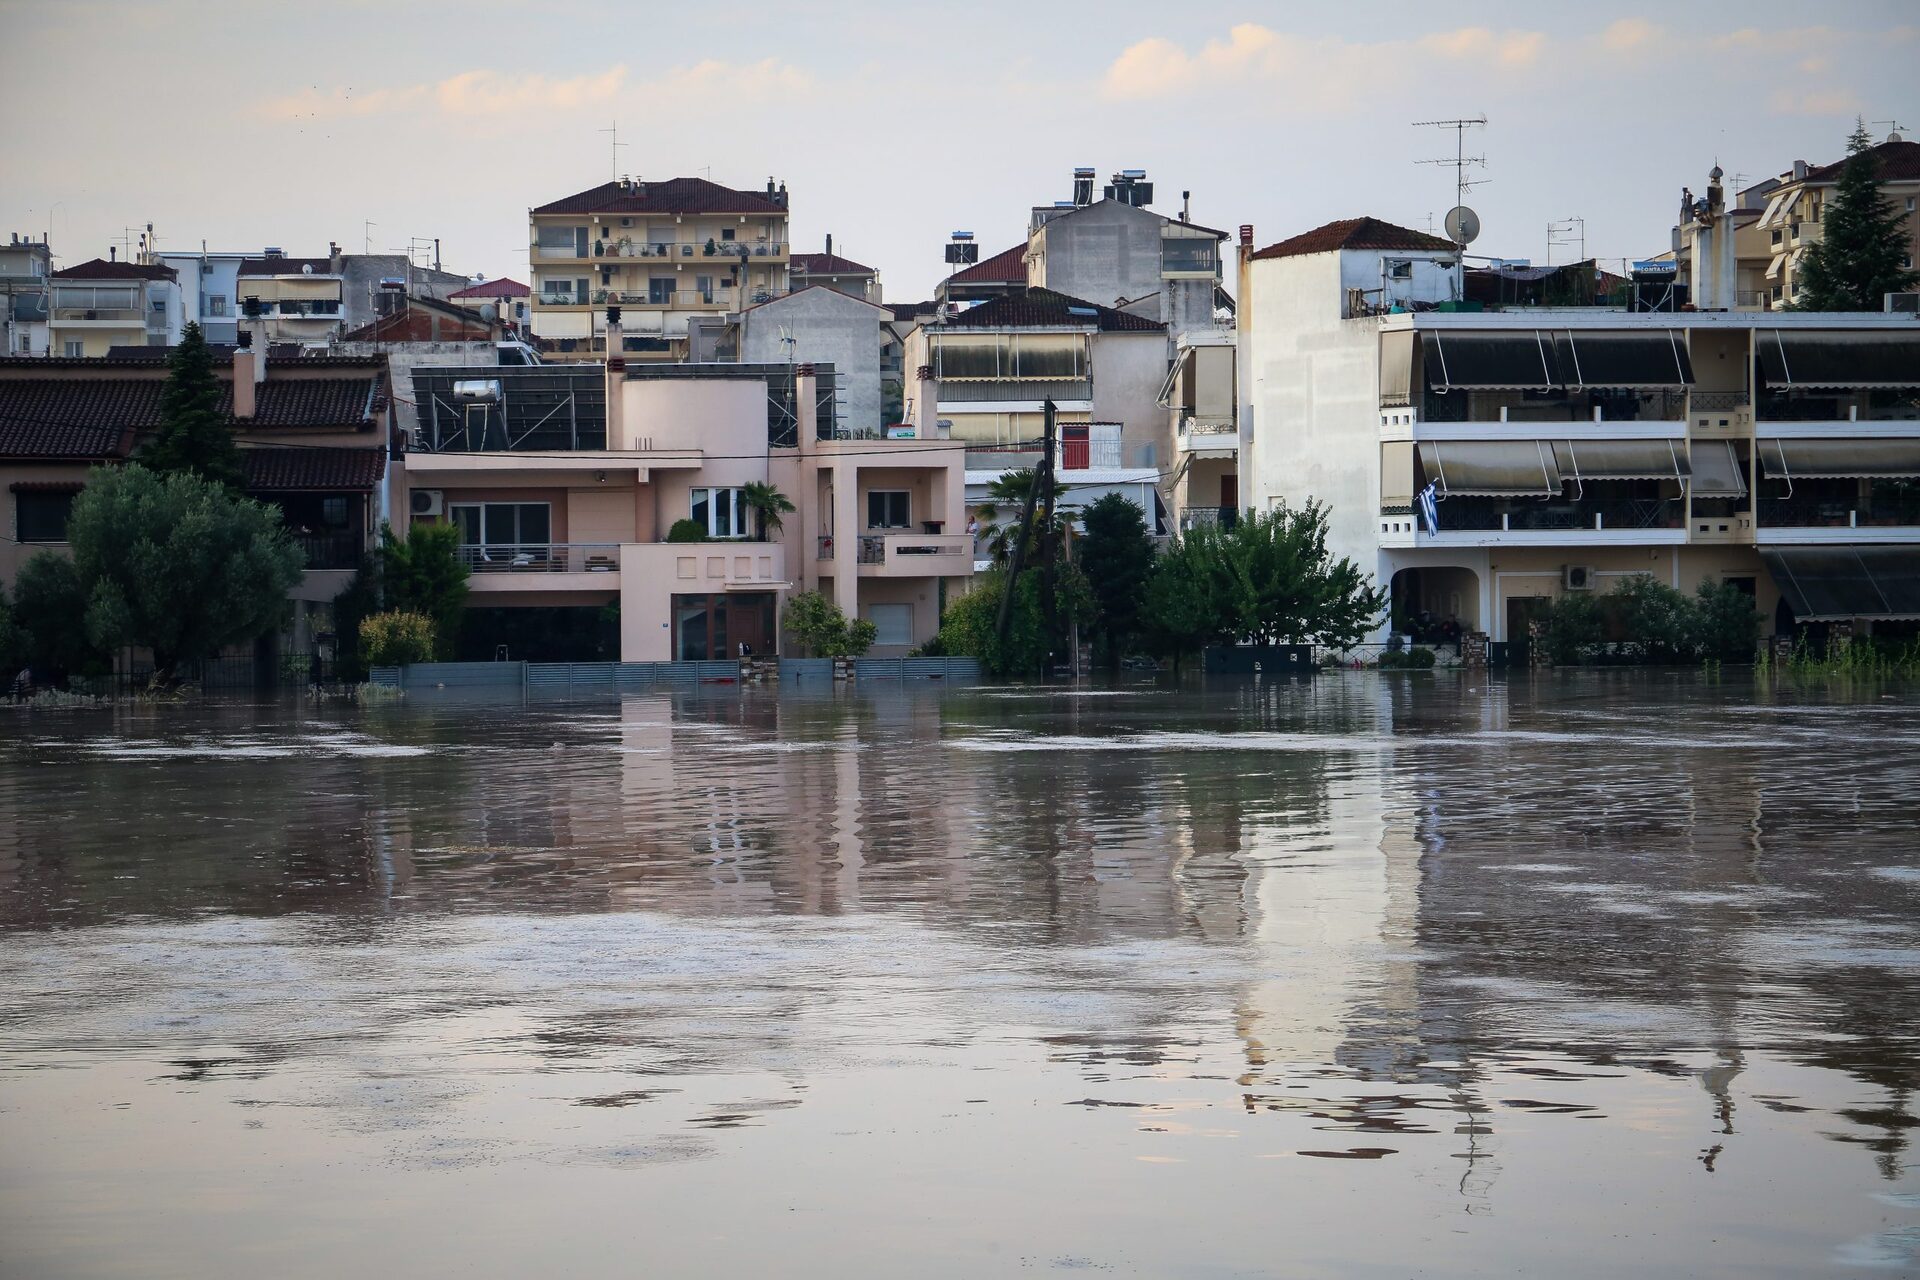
1491, 468
1839, 459
1837, 584
1838, 358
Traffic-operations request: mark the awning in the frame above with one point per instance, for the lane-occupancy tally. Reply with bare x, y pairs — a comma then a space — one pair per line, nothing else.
318, 469
1180, 363
1835, 584
1775, 210
1621, 459
1396, 368
1396, 473
1830, 358
1481, 361
1491, 467
1773, 267
1838, 459
1600, 359
1716, 470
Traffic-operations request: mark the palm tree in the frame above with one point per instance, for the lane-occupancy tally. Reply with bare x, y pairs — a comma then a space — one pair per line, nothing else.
1010, 487
768, 504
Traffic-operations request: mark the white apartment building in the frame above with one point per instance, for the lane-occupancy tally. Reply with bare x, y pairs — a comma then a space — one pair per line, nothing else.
1568, 448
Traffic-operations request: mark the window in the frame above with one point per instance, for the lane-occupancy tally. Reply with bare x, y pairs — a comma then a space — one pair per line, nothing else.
26, 344
76, 347
1906, 263
887, 509
489, 525
160, 306
1776, 238
721, 512
1910, 204
726, 233
705, 286
41, 516
1187, 254
892, 623
660, 290
216, 304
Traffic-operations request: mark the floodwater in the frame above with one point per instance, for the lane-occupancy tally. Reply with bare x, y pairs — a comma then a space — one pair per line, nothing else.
1368, 975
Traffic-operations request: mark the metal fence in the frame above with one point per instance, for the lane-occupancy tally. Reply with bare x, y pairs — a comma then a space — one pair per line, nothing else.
916, 669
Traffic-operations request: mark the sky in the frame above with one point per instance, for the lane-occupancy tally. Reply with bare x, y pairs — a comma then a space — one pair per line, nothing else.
376, 123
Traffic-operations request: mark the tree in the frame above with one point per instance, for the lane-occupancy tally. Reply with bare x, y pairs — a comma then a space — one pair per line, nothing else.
1858, 257
1658, 621
1011, 488
177, 564
1726, 626
817, 626
1575, 627
396, 638
425, 575
768, 504
193, 435
970, 624
12, 639
50, 609
1116, 555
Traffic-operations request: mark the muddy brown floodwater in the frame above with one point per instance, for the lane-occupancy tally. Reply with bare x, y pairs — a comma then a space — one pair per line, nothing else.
1363, 976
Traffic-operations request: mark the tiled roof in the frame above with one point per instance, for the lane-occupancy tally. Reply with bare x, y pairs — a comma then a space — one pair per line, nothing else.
1031, 308
501, 288
98, 417
71, 418
911, 310
101, 269
1009, 267
280, 470
286, 267
1355, 233
826, 264
673, 195
1899, 162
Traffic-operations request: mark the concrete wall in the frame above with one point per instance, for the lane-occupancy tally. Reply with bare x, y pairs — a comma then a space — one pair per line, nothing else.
1128, 370
1102, 253
828, 328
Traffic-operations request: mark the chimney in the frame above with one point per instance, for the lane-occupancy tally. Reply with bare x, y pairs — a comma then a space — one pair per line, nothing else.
333, 258
616, 380
829, 244
245, 361
1186, 205
1799, 170
113, 253
781, 198
806, 407
926, 409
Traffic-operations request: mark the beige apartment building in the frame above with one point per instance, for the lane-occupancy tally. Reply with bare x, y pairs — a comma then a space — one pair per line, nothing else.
102, 304
662, 251
293, 299
566, 480
1567, 448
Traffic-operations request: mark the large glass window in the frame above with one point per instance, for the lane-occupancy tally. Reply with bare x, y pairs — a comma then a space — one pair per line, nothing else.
41, 516
660, 289
888, 509
721, 512
1186, 254
503, 524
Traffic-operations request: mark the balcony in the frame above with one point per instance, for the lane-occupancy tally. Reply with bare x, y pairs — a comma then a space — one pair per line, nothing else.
914, 555
1551, 407
1208, 436
1842, 505
331, 550
117, 316
1558, 520
539, 558
1879, 405
303, 309
1208, 517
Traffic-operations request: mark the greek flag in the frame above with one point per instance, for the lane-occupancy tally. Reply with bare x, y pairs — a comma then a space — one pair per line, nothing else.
1429, 508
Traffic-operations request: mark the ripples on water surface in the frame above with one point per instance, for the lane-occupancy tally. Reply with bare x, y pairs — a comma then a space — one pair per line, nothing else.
1363, 976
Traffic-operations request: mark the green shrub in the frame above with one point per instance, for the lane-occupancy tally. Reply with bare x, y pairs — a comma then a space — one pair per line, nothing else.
687, 531
1659, 622
1407, 660
1575, 628
1726, 626
817, 626
396, 639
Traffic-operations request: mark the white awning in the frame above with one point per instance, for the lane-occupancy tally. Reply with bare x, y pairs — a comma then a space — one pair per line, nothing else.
1776, 208
1773, 268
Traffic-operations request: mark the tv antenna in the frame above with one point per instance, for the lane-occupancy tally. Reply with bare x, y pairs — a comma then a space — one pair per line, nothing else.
1460, 160
614, 144
1567, 231
1893, 128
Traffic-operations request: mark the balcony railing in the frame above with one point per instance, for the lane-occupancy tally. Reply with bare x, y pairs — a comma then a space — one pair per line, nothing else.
1718, 401
567, 299
873, 550
1466, 514
127, 314
331, 550
824, 548
319, 307
1582, 406
1197, 517
1814, 512
1016, 389
542, 557
1840, 406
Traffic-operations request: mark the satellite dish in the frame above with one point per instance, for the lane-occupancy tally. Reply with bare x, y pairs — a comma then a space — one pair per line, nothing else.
1462, 224
489, 312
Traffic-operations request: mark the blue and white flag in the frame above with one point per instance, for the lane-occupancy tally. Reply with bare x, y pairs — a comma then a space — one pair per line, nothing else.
1429, 508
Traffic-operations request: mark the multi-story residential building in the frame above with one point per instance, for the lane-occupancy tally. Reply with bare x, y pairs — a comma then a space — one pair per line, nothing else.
295, 299
507, 298
105, 303
26, 266
1567, 448
662, 251
315, 432
1774, 223
1201, 396
833, 329
835, 272
209, 292
1003, 273
566, 479
997, 362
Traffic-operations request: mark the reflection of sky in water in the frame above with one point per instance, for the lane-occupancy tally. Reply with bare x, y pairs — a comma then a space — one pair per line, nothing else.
1603, 976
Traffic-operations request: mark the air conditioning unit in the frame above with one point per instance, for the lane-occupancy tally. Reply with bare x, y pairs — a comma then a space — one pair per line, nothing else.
1576, 577
1905, 303
429, 502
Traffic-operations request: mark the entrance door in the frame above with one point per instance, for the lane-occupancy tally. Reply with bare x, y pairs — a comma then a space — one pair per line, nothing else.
1522, 610
1230, 491
749, 623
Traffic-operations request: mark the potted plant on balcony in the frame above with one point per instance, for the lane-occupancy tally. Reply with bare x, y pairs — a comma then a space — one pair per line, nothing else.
710, 247
768, 504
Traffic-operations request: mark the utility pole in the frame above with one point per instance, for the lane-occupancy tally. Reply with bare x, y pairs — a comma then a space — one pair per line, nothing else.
1042, 475
1051, 547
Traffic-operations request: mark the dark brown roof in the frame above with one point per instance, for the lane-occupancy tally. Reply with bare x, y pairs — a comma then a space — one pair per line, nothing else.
502, 288
286, 267
826, 264
673, 195
911, 310
1899, 162
281, 470
98, 417
1355, 233
62, 418
1009, 267
1034, 308
101, 269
